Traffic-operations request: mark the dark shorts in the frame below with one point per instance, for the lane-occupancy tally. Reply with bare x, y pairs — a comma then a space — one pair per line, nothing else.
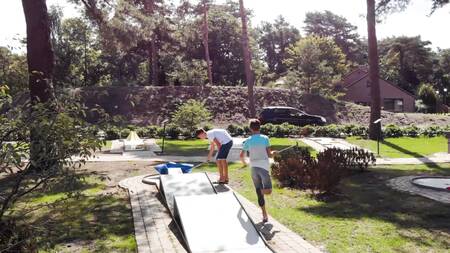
261, 178
224, 151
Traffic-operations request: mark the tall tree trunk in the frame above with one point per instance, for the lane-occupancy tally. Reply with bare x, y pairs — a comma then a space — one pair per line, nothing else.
249, 78
374, 72
39, 50
206, 41
40, 67
153, 48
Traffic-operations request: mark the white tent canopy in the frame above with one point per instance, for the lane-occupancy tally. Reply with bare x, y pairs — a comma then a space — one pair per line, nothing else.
133, 142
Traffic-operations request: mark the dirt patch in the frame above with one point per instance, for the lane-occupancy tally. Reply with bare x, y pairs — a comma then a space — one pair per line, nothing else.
114, 172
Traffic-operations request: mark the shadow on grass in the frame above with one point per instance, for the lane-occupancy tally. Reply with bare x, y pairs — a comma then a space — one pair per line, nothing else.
368, 196
402, 150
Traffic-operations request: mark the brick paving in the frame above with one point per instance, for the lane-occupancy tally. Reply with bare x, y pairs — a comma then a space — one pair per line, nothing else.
404, 184
156, 232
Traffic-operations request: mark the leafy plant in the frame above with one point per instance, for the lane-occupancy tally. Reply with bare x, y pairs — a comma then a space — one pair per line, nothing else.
392, 130
191, 115
297, 168
236, 130
59, 133
173, 131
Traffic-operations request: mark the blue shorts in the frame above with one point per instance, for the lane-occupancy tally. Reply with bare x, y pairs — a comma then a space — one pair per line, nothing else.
224, 151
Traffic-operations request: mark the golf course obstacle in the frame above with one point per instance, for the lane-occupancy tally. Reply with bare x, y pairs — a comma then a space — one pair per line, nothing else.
208, 221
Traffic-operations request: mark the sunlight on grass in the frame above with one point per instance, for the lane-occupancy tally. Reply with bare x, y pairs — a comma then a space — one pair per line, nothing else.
368, 217
404, 147
184, 147
95, 221
200, 147
282, 143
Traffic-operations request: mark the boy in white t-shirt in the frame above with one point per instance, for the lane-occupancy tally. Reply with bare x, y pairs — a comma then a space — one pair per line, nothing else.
223, 140
258, 146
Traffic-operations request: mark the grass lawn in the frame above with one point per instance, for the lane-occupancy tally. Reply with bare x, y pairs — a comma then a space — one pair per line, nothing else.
200, 147
192, 147
368, 217
99, 220
404, 147
107, 145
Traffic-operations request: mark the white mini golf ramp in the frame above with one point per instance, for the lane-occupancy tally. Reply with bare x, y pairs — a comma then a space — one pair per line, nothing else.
217, 223
193, 184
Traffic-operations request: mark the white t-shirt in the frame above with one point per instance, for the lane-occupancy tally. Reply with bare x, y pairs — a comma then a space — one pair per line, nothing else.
220, 134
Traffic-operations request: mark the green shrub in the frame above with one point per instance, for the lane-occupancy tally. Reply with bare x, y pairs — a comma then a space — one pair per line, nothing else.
392, 131
236, 130
112, 133
298, 169
332, 130
190, 115
152, 131
160, 132
291, 166
132, 127
307, 130
124, 133
355, 130
286, 130
411, 131
173, 131
207, 127
268, 129
433, 131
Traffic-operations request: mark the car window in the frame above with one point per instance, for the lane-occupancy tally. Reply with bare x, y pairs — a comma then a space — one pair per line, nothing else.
282, 112
295, 113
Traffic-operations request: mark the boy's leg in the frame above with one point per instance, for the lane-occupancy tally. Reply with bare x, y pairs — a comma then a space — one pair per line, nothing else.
266, 188
257, 181
225, 170
222, 158
219, 167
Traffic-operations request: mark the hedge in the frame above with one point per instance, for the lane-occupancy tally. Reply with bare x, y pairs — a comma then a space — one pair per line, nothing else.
283, 130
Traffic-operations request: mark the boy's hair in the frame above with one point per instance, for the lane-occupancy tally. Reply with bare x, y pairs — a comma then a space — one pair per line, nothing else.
199, 131
255, 124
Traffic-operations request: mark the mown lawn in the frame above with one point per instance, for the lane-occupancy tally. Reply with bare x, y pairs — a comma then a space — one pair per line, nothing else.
192, 147
404, 147
98, 220
200, 147
367, 216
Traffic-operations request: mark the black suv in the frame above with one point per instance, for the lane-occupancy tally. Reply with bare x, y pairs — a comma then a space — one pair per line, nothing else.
282, 114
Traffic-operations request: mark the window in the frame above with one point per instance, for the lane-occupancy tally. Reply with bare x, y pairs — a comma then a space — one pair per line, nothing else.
393, 104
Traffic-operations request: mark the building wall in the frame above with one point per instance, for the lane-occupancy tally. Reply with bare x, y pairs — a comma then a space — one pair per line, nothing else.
360, 93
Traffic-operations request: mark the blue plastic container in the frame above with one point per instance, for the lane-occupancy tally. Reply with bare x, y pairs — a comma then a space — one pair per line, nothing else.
165, 167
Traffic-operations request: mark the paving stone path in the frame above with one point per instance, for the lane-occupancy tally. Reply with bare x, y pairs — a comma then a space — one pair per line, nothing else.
320, 144
404, 184
156, 232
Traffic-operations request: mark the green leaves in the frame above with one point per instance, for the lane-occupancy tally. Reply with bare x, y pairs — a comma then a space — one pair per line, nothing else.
190, 115
315, 63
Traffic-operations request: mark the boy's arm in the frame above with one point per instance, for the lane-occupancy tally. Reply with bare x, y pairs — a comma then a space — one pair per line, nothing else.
270, 153
211, 151
242, 157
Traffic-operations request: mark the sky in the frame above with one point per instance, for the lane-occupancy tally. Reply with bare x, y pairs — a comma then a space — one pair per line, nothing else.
412, 22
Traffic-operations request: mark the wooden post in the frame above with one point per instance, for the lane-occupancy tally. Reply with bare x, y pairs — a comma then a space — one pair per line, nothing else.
447, 134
